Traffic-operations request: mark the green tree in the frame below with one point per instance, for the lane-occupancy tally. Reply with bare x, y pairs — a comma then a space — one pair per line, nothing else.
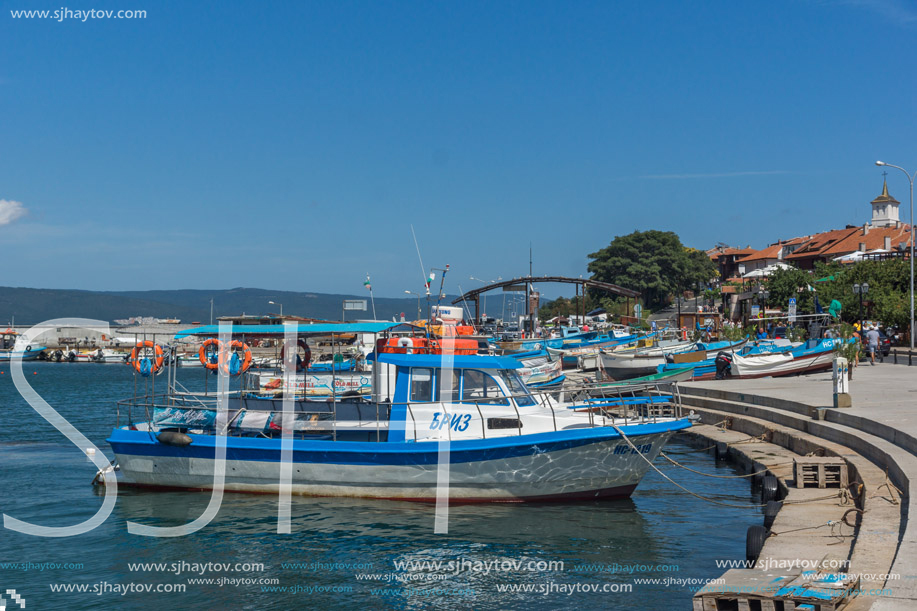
655, 263
565, 307
887, 300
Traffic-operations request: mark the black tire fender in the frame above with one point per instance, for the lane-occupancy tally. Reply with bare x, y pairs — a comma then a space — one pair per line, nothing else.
769, 488
754, 542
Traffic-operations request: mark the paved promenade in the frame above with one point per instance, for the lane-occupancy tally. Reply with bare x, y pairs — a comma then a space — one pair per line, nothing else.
881, 425
885, 393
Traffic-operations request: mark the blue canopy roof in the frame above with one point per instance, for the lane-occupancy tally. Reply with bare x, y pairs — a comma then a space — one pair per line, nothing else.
301, 329
459, 361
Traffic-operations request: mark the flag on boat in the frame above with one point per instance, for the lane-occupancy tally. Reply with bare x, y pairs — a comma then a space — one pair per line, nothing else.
368, 284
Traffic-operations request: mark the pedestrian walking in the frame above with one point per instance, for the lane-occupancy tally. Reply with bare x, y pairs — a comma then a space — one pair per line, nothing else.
872, 344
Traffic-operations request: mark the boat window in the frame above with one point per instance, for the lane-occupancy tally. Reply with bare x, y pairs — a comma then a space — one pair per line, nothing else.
517, 388
447, 385
479, 387
421, 384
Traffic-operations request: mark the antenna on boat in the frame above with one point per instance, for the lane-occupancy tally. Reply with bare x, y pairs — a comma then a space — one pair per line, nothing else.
423, 273
442, 282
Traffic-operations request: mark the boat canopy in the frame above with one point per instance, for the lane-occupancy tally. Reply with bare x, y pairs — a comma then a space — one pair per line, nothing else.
301, 329
458, 361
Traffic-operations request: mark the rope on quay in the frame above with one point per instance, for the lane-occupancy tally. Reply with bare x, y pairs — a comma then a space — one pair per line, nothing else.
891, 489
666, 456
830, 523
843, 495
673, 482
761, 437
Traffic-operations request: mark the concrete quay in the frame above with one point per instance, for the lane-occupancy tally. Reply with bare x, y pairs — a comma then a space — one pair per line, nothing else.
876, 436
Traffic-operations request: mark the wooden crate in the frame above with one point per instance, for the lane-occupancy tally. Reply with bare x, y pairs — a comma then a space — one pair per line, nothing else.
818, 591
820, 472
744, 590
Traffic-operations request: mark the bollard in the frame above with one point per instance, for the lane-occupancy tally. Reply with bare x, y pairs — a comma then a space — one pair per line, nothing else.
841, 383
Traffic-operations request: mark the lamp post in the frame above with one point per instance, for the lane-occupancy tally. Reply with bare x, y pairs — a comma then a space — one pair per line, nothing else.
763, 294
418, 302
281, 307
860, 290
910, 178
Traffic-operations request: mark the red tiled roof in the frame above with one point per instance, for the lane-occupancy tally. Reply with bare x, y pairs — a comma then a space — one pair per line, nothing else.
771, 252
820, 242
872, 240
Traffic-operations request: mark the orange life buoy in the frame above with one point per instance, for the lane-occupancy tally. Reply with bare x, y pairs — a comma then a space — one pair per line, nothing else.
202, 353
224, 360
136, 361
307, 354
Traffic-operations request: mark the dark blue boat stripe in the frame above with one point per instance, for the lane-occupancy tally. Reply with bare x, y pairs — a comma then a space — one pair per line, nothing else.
140, 443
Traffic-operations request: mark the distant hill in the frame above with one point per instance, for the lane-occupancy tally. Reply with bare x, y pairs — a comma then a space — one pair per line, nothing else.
30, 306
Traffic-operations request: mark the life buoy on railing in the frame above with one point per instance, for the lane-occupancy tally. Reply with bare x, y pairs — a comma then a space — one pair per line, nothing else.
407, 343
205, 355
144, 365
230, 362
301, 363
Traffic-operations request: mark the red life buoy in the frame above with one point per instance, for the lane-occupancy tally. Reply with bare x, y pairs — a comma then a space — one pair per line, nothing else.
202, 353
307, 355
135, 359
224, 360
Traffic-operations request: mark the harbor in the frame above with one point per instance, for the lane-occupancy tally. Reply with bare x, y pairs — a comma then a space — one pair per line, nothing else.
838, 539
498, 306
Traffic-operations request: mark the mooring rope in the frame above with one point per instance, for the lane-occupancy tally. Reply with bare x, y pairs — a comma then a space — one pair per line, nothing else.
673, 482
765, 470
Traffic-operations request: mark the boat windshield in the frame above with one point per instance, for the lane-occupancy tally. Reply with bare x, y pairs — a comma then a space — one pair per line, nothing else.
479, 387
519, 391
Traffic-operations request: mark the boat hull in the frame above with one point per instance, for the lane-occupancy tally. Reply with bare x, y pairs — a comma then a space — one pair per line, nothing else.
567, 465
27, 355
626, 367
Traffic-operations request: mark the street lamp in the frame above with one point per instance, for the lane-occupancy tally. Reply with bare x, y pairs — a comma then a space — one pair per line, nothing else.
861, 289
418, 302
281, 307
910, 178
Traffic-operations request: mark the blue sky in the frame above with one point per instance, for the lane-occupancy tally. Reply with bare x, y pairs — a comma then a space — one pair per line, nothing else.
292, 145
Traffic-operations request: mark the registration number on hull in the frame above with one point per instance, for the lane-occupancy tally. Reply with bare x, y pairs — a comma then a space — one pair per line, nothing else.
623, 448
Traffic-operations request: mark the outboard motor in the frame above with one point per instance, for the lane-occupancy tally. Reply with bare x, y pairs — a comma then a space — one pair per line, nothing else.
669, 359
723, 365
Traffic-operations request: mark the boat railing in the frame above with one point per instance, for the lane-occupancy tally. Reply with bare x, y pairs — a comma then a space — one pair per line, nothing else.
647, 401
635, 404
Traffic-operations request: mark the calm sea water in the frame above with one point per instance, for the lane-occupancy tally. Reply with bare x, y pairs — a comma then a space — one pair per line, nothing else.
342, 553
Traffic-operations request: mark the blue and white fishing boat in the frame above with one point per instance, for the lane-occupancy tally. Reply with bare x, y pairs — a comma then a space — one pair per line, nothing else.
538, 370
766, 358
342, 364
15, 349
504, 443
